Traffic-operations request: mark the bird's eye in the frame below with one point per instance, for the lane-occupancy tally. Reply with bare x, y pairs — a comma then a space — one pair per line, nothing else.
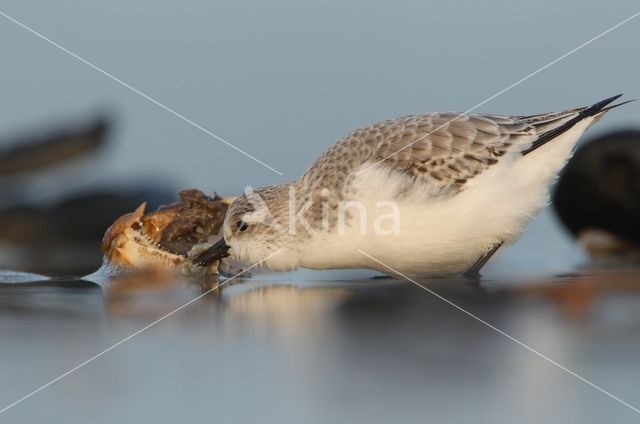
242, 226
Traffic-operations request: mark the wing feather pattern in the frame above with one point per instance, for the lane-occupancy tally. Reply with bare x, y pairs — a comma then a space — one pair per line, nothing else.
444, 149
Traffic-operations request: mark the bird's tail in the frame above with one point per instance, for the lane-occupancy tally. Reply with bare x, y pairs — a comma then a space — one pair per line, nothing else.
596, 111
602, 111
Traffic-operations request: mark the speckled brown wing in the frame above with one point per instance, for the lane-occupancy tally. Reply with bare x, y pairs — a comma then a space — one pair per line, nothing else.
444, 150
448, 148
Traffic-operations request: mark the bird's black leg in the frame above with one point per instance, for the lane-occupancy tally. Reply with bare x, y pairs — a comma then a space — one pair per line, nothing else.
474, 272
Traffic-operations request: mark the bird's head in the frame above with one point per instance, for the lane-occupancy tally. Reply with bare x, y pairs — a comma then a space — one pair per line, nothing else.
255, 228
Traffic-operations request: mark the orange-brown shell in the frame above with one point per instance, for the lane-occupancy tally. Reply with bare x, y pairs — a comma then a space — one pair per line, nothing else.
175, 228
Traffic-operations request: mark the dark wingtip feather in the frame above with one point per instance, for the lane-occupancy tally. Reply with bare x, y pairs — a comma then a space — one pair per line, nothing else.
597, 107
608, 108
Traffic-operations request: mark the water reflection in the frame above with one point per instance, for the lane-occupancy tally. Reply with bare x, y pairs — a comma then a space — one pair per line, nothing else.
368, 350
286, 302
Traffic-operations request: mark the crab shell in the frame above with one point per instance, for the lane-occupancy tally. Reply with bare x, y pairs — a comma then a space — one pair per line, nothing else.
133, 242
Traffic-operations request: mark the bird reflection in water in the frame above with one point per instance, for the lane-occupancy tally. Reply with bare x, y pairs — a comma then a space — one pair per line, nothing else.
288, 304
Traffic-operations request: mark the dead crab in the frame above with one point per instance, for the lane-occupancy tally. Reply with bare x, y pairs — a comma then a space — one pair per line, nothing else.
168, 238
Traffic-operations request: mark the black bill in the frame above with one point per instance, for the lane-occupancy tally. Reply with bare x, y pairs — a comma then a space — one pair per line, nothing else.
216, 252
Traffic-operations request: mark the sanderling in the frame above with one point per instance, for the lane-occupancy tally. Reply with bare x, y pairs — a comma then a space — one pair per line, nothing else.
430, 195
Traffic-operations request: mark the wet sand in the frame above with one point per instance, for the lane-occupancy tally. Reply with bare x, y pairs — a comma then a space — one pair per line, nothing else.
352, 351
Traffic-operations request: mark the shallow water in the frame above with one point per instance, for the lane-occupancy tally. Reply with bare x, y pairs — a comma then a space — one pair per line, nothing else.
353, 351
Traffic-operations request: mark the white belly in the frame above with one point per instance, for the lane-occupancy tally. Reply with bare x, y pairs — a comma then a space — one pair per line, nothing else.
444, 237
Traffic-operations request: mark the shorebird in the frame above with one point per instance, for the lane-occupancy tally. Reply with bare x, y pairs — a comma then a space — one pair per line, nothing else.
597, 197
425, 195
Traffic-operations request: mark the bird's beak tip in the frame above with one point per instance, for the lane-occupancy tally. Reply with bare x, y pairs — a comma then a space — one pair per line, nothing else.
216, 252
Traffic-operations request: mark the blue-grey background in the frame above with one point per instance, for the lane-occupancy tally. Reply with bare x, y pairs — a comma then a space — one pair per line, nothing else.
283, 80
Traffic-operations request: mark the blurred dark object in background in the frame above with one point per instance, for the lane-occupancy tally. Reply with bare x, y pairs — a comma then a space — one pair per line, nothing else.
62, 236
29, 154
598, 196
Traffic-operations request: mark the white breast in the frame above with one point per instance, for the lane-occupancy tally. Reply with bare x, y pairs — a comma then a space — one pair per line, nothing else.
446, 236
